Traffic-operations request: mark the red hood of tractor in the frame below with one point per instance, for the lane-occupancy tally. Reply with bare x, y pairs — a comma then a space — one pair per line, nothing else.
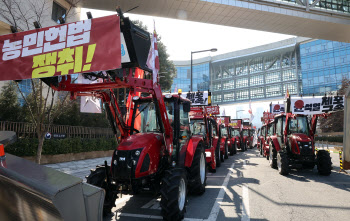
141, 140
301, 137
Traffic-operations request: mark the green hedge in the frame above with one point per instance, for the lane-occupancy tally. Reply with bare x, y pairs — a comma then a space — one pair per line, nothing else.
28, 146
337, 139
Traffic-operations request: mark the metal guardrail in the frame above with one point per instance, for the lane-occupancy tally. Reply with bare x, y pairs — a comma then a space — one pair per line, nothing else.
23, 129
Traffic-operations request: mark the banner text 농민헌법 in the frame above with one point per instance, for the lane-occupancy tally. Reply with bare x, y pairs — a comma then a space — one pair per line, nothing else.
78, 47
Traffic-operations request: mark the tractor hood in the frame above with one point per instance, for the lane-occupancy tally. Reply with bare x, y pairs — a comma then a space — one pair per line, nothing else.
140, 140
301, 137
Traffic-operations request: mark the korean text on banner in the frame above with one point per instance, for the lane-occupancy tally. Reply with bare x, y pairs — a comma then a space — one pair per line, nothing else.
79, 47
197, 98
317, 104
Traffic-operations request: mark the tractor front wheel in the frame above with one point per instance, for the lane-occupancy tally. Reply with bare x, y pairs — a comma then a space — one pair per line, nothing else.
226, 151
235, 148
282, 163
232, 147
217, 156
98, 178
174, 194
272, 158
324, 163
198, 172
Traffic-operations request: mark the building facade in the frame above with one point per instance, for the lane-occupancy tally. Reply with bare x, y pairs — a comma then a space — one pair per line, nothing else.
323, 65
262, 72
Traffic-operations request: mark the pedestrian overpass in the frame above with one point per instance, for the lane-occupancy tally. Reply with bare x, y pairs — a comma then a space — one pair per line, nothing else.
321, 19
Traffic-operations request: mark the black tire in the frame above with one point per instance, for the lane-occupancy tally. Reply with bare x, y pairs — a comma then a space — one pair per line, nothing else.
232, 147
235, 148
242, 147
170, 192
324, 163
282, 163
226, 151
98, 178
196, 184
261, 149
273, 157
222, 158
217, 156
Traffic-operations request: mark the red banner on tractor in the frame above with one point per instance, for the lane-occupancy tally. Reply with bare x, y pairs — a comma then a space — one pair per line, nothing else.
236, 123
83, 46
213, 110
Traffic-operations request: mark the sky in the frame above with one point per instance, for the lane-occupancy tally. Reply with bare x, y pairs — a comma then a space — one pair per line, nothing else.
182, 37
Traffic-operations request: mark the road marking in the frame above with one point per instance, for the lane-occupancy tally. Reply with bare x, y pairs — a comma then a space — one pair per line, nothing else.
139, 216
216, 208
244, 163
245, 203
123, 199
153, 204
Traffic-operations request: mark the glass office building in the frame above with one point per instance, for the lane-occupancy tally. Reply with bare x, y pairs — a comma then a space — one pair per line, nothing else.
323, 65
262, 72
200, 78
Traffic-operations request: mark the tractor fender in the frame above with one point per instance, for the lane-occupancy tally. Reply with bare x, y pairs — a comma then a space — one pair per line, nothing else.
275, 143
191, 149
222, 143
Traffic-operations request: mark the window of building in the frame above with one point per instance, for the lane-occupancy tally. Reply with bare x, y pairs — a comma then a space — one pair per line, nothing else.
273, 77
242, 82
256, 93
57, 12
289, 74
216, 98
272, 63
216, 86
242, 95
256, 80
229, 96
256, 65
273, 90
229, 84
292, 88
242, 68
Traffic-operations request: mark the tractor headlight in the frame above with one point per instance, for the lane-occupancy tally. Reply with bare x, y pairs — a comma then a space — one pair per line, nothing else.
115, 162
137, 153
208, 154
237, 141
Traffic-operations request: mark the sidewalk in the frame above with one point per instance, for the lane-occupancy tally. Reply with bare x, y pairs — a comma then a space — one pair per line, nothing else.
80, 168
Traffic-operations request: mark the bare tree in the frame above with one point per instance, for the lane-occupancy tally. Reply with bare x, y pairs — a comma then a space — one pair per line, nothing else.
21, 14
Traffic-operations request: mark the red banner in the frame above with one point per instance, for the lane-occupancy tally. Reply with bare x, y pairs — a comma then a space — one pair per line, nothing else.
83, 46
213, 110
196, 111
236, 123
223, 120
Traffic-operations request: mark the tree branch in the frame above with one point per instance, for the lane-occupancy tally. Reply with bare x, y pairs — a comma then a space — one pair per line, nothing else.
24, 98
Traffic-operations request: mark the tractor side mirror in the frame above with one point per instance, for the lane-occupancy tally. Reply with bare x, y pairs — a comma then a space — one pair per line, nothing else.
187, 107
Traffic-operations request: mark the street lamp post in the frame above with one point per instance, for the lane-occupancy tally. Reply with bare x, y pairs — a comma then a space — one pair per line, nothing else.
193, 52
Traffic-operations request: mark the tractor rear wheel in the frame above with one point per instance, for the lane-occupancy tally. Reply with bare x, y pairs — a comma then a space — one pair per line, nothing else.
261, 149
98, 178
324, 163
226, 151
217, 156
174, 194
272, 158
222, 159
282, 163
198, 172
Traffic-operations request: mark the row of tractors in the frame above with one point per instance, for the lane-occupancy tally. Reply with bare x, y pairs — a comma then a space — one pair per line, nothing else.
222, 135
288, 142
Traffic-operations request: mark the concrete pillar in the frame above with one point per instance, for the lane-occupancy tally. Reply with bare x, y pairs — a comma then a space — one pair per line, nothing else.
346, 139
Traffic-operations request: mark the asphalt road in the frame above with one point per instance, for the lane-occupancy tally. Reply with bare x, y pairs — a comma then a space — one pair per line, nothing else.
246, 188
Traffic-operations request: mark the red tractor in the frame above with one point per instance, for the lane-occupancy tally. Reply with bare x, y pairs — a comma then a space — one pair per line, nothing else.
202, 126
235, 135
293, 145
223, 124
157, 151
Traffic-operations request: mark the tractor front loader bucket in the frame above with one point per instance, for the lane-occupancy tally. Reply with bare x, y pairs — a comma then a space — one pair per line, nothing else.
29, 191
